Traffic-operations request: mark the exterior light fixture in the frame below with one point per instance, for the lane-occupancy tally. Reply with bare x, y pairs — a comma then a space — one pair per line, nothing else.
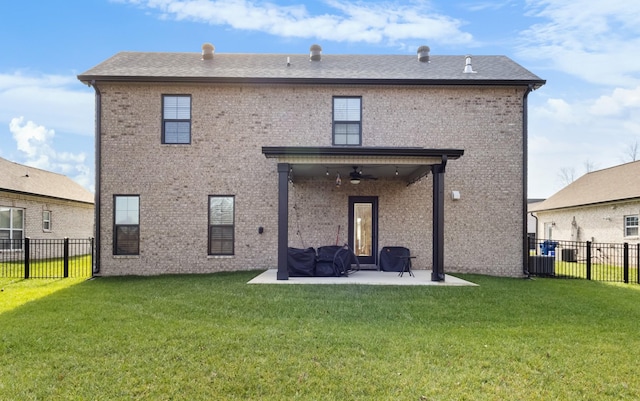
338, 180
355, 180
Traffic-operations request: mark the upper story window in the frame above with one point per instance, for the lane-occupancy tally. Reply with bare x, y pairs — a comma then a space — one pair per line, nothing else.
46, 220
176, 119
631, 225
126, 227
221, 225
11, 228
347, 121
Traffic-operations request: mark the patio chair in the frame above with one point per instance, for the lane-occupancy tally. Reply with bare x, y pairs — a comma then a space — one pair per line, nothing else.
396, 259
325, 261
344, 259
301, 262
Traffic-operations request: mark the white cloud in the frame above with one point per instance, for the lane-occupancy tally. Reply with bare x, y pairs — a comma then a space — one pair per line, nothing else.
566, 133
36, 143
618, 103
61, 101
594, 40
559, 110
359, 21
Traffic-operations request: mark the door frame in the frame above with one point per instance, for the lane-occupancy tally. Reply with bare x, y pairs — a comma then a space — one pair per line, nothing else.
373, 200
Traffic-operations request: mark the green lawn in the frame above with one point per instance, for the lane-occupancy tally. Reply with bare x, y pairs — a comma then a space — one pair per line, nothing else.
599, 272
79, 266
213, 337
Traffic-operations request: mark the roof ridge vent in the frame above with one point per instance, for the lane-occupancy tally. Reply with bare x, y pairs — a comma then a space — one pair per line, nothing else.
207, 51
423, 54
315, 52
468, 69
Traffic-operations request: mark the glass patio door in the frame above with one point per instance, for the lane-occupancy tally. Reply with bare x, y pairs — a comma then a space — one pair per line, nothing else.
363, 228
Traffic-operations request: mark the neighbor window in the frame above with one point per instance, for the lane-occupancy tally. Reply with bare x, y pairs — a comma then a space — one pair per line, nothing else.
221, 225
176, 119
46, 220
11, 228
126, 228
631, 225
347, 121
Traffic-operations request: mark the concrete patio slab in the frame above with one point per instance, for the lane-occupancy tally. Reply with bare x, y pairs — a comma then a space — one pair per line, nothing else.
365, 277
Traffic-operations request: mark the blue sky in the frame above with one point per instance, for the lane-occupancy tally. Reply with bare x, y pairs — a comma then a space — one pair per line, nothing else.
586, 117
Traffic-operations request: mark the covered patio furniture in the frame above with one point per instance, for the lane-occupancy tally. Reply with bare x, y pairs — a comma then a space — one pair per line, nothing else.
301, 262
395, 259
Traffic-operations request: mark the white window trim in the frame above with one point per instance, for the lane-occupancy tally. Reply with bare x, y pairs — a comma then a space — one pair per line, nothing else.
11, 229
44, 220
627, 226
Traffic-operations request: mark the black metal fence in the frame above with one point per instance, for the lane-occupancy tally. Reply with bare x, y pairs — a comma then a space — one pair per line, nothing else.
47, 258
588, 260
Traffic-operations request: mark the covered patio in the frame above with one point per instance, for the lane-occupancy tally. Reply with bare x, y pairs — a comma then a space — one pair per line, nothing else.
409, 164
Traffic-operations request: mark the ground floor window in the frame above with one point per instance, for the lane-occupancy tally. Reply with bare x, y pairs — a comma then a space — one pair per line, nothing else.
11, 228
46, 220
631, 225
221, 225
126, 228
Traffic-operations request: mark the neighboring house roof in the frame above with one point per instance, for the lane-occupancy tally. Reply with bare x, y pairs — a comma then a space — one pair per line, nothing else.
23, 179
617, 183
273, 68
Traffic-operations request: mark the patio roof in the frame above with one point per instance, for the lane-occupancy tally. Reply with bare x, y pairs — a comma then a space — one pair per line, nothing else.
314, 161
404, 163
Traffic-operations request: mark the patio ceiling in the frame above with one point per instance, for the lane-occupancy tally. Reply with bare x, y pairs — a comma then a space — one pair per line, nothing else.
406, 164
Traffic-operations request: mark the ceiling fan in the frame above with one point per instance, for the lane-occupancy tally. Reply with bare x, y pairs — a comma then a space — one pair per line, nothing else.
355, 176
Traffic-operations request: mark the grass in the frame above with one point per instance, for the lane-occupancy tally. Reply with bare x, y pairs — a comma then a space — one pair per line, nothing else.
599, 271
79, 266
215, 337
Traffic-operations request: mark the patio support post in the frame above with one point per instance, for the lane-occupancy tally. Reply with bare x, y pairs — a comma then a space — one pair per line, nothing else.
283, 220
437, 274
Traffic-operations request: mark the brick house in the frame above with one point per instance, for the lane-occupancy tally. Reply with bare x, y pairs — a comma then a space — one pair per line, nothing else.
601, 206
40, 204
217, 162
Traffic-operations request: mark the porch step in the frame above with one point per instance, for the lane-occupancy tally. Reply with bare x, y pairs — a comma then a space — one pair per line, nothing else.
368, 267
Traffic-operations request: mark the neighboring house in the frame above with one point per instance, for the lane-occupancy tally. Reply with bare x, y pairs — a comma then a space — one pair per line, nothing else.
216, 162
601, 206
40, 204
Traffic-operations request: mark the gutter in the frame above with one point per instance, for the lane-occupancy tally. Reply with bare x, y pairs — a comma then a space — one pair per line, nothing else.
91, 79
11, 191
98, 163
525, 183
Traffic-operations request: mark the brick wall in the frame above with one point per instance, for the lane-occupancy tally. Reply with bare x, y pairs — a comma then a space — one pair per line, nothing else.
68, 219
598, 223
231, 123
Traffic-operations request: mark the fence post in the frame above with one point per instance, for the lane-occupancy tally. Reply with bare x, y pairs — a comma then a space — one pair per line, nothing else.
66, 257
27, 253
588, 260
626, 262
638, 263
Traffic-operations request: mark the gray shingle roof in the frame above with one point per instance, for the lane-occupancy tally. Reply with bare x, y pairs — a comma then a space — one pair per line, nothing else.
136, 66
19, 178
607, 185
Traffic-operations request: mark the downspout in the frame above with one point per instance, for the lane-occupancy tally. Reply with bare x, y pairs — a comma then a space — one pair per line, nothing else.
98, 181
535, 217
525, 183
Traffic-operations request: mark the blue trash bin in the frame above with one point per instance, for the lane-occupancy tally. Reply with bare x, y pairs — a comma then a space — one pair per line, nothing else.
548, 248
